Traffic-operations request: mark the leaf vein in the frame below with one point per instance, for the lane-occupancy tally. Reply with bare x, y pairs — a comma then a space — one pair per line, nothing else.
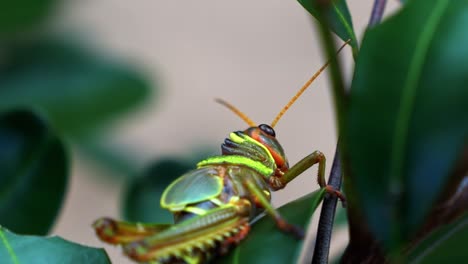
409, 94
8, 247
347, 26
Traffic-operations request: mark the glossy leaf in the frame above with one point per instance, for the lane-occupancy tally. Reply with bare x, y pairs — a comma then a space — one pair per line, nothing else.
33, 173
338, 18
77, 89
142, 199
16, 249
20, 15
445, 245
341, 218
267, 244
408, 114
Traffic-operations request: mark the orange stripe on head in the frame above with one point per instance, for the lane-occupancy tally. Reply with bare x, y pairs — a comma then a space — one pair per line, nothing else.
259, 136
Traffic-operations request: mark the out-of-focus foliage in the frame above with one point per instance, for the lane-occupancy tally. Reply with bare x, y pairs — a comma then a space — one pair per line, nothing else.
17, 249
77, 89
23, 15
408, 116
447, 244
34, 173
141, 201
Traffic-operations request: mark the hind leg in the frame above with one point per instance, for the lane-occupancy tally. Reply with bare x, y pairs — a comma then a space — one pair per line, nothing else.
120, 232
196, 239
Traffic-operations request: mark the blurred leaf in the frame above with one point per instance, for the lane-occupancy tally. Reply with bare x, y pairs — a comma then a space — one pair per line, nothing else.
337, 257
77, 89
201, 152
141, 202
17, 249
445, 245
20, 15
267, 244
341, 218
123, 161
33, 173
408, 114
338, 17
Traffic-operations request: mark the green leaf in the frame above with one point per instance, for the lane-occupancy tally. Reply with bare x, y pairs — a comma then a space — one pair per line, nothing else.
341, 218
444, 245
408, 114
141, 202
338, 18
33, 173
16, 249
77, 89
267, 244
20, 15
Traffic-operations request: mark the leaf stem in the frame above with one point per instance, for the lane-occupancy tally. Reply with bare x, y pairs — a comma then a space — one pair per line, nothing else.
377, 12
327, 215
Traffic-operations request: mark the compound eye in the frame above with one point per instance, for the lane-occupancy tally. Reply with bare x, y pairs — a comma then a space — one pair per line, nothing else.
267, 129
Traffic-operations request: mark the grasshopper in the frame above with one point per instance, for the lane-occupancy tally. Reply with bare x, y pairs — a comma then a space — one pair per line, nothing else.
214, 204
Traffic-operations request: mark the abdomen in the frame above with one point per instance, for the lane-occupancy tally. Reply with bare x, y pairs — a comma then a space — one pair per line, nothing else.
234, 187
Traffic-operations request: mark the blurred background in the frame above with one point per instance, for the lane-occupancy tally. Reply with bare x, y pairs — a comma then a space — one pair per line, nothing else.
139, 79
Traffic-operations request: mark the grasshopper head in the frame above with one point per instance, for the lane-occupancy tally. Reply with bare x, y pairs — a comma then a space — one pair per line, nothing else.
265, 135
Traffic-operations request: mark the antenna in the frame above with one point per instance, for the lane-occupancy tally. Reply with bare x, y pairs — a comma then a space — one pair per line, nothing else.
236, 111
304, 87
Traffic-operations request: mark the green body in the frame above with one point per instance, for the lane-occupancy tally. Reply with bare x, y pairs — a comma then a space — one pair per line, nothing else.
214, 204
219, 180
216, 186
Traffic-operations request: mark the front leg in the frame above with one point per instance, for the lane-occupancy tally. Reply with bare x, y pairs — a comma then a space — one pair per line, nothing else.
304, 164
278, 182
271, 211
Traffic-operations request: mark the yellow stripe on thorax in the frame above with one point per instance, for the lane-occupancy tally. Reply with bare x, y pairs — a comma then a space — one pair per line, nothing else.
237, 160
234, 137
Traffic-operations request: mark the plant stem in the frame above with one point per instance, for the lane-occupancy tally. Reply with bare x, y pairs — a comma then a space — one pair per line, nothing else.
377, 12
327, 215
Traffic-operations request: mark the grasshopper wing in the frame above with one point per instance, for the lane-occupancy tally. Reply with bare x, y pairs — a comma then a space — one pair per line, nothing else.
195, 186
